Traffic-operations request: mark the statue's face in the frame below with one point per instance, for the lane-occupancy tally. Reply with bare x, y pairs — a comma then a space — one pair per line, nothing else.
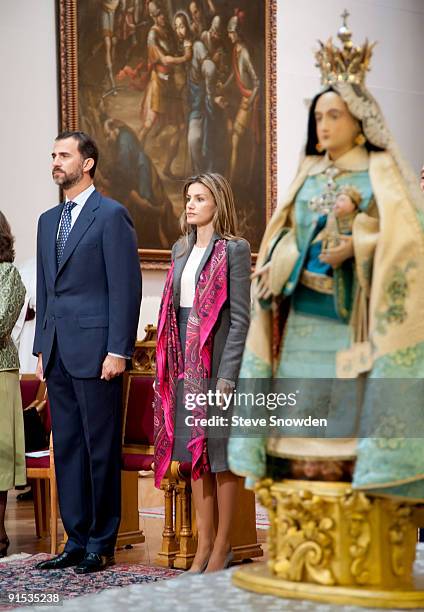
343, 205
336, 127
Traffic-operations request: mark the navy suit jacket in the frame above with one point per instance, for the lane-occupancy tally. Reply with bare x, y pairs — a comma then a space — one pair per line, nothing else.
91, 303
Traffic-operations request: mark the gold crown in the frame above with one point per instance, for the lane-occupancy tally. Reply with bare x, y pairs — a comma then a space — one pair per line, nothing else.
347, 64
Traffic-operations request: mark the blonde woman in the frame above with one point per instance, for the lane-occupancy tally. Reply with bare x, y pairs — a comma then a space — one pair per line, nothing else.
12, 450
203, 322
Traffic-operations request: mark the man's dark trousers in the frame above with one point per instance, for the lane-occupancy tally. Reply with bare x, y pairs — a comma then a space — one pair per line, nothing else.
86, 423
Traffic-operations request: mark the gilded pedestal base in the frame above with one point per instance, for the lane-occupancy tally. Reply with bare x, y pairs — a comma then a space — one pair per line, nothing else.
259, 578
329, 543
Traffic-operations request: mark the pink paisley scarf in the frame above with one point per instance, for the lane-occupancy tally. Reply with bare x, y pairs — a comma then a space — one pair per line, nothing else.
211, 294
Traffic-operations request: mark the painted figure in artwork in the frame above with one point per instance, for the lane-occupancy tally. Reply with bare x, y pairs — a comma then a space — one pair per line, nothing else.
158, 107
137, 182
198, 19
206, 121
213, 38
108, 23
244, 76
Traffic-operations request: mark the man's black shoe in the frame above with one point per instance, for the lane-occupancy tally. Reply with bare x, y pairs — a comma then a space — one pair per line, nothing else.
93, 562
66, 559
27, 496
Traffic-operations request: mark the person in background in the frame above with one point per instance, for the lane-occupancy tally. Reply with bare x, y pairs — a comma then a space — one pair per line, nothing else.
203, 322
24, 330
12, 445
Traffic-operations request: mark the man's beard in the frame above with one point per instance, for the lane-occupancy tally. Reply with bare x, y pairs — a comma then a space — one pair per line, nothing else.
66, 181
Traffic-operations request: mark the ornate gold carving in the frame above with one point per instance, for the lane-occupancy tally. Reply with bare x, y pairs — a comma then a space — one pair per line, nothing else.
327, 534
305, 541
263, 490
356, 508
144, 358
398, 538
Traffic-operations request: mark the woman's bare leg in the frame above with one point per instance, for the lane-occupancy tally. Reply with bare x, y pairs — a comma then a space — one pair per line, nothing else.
203, 490
227, 485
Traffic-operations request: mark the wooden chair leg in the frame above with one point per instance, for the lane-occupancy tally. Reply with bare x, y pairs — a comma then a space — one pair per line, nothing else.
53, 515
169, 548
41, 495
63, 543
129, 529
188, 544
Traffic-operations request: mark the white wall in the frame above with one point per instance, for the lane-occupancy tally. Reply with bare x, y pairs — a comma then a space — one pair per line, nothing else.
396, 78
29, 115
29, 96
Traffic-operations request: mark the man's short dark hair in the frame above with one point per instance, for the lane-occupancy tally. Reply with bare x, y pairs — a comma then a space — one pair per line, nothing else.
86, 146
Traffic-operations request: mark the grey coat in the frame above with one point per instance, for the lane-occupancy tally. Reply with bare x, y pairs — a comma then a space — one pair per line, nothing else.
233, 323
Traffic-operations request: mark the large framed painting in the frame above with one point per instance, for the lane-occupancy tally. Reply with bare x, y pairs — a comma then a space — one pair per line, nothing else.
171, 89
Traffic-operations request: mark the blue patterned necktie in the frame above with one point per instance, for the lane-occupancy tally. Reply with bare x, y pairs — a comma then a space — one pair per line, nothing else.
64, 231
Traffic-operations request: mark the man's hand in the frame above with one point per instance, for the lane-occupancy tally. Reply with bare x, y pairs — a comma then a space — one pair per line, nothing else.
39, 369
337, 255
263, 291
112, 366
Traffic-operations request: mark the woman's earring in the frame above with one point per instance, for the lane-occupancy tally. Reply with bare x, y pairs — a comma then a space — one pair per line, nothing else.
360, 139
319, 147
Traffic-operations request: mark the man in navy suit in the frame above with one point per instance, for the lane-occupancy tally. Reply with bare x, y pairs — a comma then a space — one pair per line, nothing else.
88, 303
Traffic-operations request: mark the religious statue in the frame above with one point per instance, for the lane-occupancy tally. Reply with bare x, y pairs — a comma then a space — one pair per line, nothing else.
343, 255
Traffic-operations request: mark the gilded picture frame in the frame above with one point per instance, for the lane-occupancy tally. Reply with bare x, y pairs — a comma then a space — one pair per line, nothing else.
170, 89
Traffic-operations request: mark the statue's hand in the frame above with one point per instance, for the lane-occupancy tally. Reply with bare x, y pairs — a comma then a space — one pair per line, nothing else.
262, 274
337, 255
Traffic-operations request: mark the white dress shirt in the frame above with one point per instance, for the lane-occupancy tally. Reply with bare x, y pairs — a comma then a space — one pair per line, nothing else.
79, 200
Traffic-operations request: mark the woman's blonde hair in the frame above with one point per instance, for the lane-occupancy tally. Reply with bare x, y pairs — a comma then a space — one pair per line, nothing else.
225, 218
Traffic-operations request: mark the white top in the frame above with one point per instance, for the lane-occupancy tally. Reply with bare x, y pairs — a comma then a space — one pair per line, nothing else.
188, 277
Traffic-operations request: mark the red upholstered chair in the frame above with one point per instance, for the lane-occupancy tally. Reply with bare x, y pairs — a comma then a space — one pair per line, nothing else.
137, 438
32, 390
137, 434
40, 470
137, 426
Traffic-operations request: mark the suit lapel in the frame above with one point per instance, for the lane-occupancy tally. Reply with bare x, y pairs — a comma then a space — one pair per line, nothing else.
85, 219
206, 256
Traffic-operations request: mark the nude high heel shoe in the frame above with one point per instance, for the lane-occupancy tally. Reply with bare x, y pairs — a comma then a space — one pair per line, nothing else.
228, 559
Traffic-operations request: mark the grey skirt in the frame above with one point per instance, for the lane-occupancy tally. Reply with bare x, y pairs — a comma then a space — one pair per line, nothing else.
217, 446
